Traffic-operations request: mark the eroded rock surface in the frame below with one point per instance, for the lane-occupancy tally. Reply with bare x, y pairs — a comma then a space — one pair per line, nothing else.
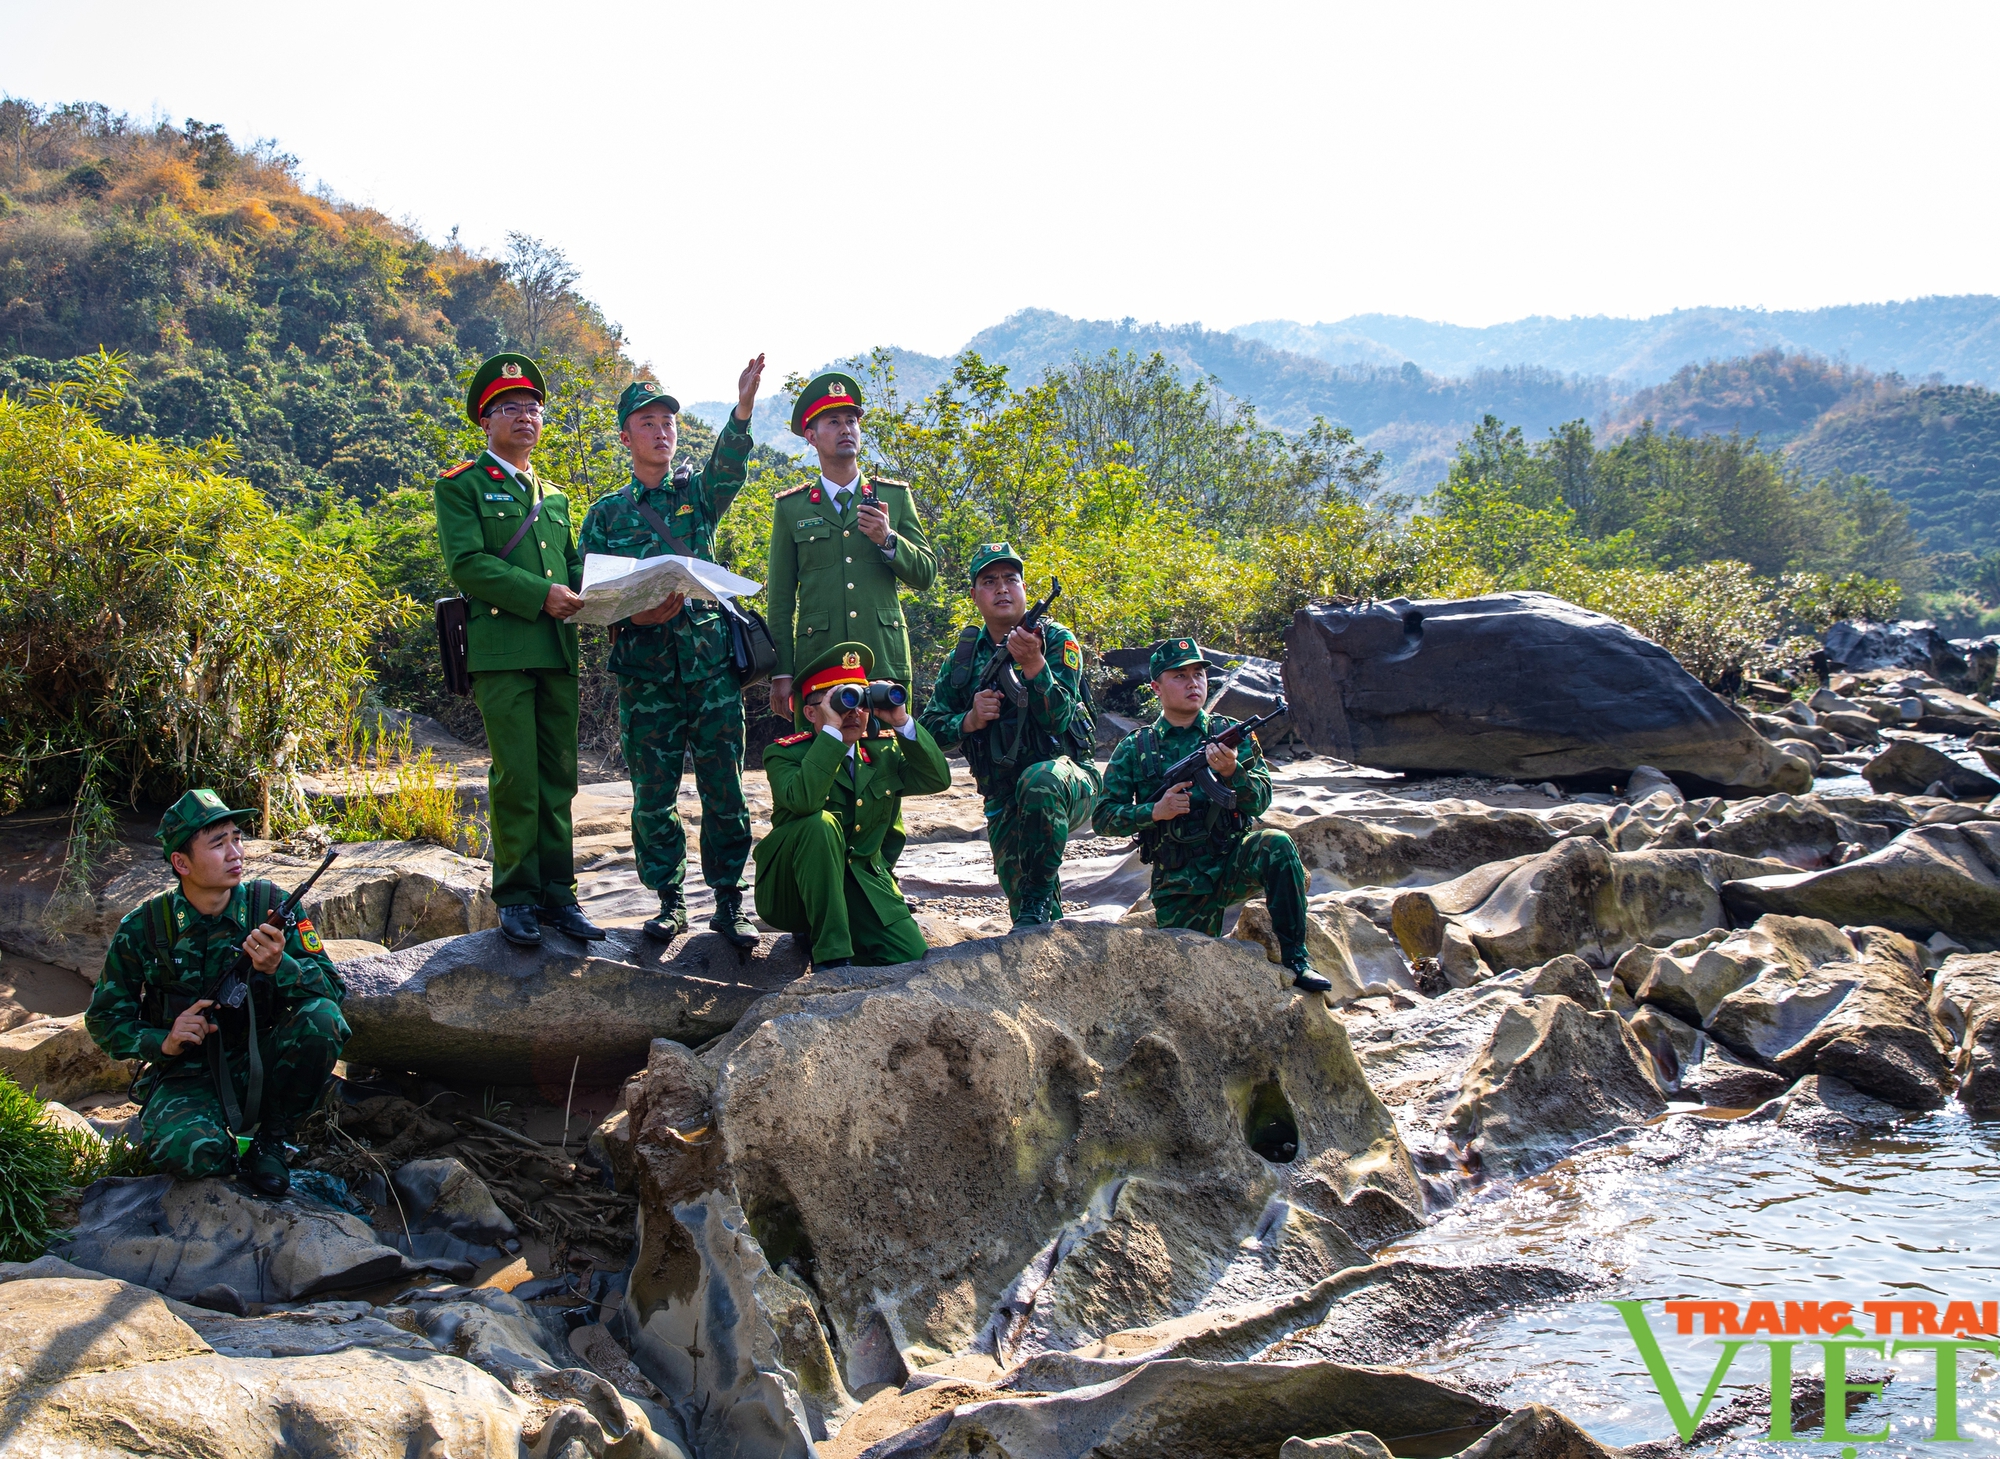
1931, 878
1965, 1000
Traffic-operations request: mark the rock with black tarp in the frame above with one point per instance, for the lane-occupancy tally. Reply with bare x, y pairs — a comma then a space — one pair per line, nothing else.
1523, 686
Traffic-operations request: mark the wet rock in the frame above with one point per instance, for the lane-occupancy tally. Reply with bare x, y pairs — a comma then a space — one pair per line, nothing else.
1822, 1107
1538, 1432
478, 1008
1674, 1045
1414, 1057
1859, 648
1801, 967
1353, 1445
1568, 976
935, 1143
1909, 767
442, 1195
1466, 686
57, 1059
1936, 878
1216, 1410
1881, 1039
89, 1358
1721, 1080
181, 1237
1966, 1001
1550, 1077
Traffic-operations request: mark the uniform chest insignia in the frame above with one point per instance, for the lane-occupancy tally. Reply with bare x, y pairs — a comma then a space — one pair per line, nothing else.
862, 751
496, 473
815, 496
498, 496
684, 509
810, 522
798, 739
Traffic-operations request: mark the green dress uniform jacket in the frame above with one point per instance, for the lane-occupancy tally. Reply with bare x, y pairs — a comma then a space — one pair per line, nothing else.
822, 871
828, 582
479, 507
694, 643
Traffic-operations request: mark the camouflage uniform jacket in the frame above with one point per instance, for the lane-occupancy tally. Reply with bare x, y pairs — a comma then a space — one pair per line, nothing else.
693, 645
201, 950
1055, 699
1132, 785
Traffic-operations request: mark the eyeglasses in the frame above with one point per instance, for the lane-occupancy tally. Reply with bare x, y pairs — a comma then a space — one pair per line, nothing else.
515, 412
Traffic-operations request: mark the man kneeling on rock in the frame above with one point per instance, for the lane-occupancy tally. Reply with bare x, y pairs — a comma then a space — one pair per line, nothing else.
222, 1086
1205, 856
836, 791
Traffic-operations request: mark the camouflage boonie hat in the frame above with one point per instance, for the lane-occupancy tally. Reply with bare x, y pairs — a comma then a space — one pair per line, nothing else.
192, 812
989, 553
640, 394
1175, 653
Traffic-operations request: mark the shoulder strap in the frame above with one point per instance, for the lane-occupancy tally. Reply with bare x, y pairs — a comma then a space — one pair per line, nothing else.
962, 654
656, 522
515, 541
263, 897
159, 926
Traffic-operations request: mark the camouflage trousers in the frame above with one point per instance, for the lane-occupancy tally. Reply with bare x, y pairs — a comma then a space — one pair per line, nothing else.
1029, 828
184, 1130
1267, 860
659, 722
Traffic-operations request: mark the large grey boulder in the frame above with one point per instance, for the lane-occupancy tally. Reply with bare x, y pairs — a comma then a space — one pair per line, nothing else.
1965, 999
57, 1058
186, 1237
1025, 1140
1550, 1077
1861, 648
1799, 830
98, 1367
478, 1008
1184, 1407
1910, 767
1518, 685
1931, 878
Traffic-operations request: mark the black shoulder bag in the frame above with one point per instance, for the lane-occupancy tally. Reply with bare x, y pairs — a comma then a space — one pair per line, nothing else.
752, 652
455, 613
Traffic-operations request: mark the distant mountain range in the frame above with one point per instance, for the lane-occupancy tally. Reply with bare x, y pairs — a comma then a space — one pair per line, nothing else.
1414, 389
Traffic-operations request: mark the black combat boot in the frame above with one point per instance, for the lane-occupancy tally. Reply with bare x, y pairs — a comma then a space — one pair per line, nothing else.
1304, 976
729, 919
263, 1166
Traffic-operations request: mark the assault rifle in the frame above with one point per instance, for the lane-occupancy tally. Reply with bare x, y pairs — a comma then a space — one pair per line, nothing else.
1000, 672
233, 986
1194, 767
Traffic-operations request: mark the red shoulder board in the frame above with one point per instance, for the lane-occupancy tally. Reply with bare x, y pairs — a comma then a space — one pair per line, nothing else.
798, 739
792, 492
454, 471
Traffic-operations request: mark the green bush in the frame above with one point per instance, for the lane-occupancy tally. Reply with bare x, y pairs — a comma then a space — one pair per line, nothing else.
39, 1163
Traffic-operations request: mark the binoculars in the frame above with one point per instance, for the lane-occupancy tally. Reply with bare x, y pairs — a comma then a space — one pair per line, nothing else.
880, 695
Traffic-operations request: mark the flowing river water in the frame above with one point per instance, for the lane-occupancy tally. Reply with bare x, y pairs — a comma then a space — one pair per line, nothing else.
1705, 1209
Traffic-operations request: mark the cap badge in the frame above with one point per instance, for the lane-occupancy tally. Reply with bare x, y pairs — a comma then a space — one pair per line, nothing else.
834, 387
510, 370
207, 798
850, 661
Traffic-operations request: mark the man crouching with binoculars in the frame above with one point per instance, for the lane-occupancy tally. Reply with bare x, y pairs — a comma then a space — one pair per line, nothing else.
836, 793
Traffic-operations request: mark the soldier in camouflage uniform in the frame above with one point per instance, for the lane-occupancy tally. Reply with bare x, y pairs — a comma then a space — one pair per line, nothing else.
676, 691
1032, 761
203, 1087
1205, 858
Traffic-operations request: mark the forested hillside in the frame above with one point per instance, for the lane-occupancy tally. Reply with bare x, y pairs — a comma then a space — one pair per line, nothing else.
1957, 337
1936, 449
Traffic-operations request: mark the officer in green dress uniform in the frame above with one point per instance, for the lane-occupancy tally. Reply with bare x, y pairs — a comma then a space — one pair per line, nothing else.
676, 690
841, 546
1205, 858
216, 1074
1031, 759
836, 789
508, 546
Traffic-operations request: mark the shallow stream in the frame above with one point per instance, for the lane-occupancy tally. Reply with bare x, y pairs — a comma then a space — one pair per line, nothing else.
1711, 1210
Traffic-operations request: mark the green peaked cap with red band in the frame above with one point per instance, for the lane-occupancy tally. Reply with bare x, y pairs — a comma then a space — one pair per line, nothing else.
499, 375
833, 390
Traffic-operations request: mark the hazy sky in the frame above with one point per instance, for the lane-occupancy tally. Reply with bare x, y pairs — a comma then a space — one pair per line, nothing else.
810, 180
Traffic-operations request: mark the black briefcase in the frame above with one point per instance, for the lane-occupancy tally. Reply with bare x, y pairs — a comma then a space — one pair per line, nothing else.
752, 651
453, 614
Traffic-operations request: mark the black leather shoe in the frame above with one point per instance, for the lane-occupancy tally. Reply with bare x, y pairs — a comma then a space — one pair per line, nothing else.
729, 920
569, 920
520, 926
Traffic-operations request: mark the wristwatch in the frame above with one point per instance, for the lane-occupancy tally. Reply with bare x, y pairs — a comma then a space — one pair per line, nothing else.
889, 545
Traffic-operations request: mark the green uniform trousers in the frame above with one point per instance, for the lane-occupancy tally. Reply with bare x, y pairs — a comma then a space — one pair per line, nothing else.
806, 886
183, 1130
1029, 829
1196, 895
530, 717
659, 722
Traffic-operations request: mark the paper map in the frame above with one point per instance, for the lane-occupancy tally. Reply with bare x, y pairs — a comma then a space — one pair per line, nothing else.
614, 588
